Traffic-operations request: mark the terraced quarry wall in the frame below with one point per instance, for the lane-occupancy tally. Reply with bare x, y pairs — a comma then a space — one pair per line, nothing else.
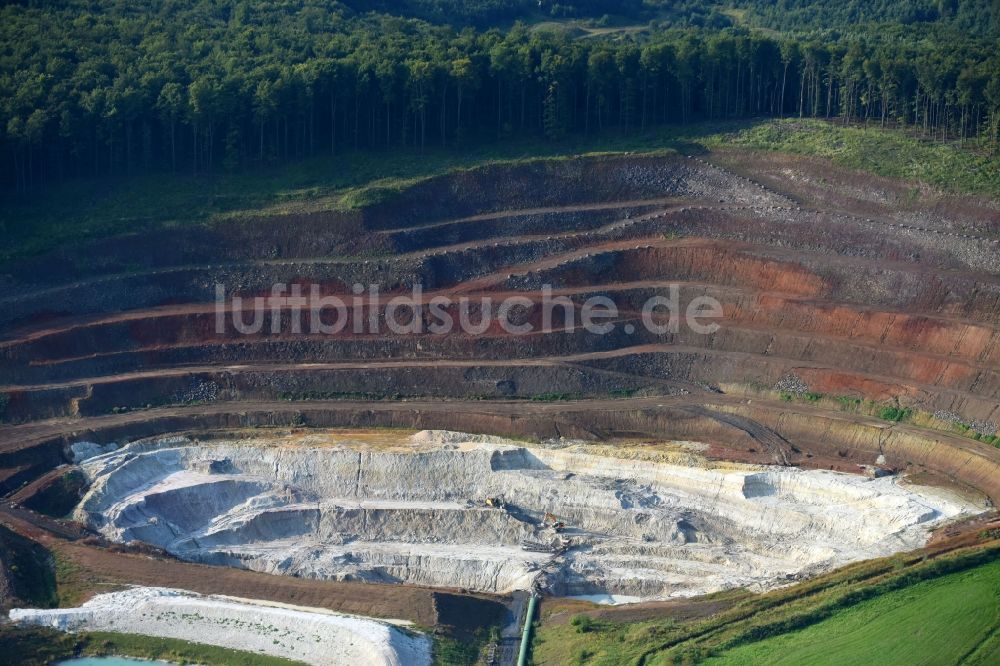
860, 325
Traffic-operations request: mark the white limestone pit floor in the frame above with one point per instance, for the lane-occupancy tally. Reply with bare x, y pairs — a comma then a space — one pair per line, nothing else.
642, 522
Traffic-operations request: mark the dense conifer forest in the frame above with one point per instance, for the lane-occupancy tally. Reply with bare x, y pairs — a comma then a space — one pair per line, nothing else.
111, 87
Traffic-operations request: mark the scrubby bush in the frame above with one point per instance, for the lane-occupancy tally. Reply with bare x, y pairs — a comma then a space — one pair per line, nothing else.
583, 623
848, 402
894, 414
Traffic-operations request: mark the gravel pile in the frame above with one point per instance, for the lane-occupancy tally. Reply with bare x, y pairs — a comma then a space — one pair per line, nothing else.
951, 417
198, 391
791, 384
988, 428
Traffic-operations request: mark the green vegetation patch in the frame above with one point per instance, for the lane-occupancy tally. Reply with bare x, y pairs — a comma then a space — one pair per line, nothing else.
883, 152
73, 583
78, 210
28, 571
949, 620
896, 587
894, 414
468, 650
555, 397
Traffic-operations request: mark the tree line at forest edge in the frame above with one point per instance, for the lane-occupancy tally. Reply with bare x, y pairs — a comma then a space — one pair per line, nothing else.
105, 88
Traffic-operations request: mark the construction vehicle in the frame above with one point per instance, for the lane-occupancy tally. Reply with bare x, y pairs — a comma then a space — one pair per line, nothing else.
496, 502
876, 471
549, 520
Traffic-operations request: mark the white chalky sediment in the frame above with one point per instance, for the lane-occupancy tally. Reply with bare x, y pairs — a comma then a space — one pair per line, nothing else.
638, 527
312, 636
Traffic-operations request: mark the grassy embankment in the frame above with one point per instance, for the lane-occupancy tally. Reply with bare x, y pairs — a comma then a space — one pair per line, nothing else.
899, 610
88, 209
948, 620
889, 153
27, 574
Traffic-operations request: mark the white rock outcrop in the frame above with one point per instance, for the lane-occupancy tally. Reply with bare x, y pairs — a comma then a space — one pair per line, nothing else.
415, 512
86, 450
313, 636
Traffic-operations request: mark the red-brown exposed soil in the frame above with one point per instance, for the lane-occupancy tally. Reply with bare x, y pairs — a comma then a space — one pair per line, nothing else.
840, 287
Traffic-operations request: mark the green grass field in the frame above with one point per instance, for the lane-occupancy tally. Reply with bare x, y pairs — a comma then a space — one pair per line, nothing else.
954, 619
87, 209
902, 610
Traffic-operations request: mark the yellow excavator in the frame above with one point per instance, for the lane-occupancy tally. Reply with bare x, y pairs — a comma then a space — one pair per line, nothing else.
550, 520
496, 502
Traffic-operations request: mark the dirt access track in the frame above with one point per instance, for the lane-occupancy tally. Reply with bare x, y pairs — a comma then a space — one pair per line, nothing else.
842, 295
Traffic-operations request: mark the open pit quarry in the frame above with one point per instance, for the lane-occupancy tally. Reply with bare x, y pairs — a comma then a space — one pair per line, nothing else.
453, 510
846, 405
